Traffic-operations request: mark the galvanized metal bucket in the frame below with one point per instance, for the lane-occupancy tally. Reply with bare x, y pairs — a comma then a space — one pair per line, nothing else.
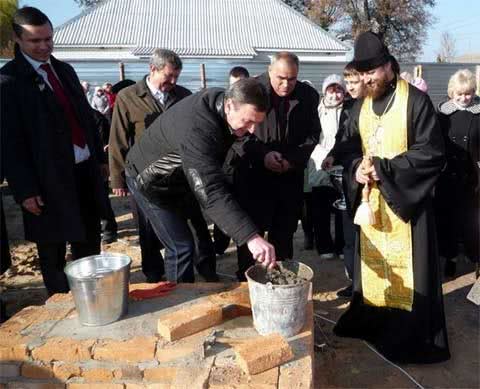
279, 308
99, 286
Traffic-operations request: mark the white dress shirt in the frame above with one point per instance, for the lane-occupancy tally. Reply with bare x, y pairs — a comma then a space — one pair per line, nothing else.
157, 94
81, 154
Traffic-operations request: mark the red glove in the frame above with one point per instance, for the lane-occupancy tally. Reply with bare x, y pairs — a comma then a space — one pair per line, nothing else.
159, 290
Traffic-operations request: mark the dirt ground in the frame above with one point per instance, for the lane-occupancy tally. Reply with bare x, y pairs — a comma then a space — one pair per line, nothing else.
339, 362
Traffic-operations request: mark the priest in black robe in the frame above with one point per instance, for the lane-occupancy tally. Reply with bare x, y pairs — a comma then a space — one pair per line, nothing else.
397, 304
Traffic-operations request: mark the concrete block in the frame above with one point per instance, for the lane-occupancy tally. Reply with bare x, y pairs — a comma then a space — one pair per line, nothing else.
297, 377
133, 350
64, 349
189, 320
263, 353
14, 352
267, 378
165, 374
35, 385
9, 370
60, 298
33, 315
97, 375
237, 295
22, 319
129, 372
185, 348
64, 371
193, 377
36, 370
103, 385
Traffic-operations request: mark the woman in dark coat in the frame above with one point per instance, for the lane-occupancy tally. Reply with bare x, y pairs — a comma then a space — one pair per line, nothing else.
457, 196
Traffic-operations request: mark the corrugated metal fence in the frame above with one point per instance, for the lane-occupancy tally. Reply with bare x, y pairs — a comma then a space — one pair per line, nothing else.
216, 70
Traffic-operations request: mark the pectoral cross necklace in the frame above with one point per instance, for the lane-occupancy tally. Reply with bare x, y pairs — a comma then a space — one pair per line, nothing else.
377, 135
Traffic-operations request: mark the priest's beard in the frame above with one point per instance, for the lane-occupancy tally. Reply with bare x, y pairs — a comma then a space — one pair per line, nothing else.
377, 88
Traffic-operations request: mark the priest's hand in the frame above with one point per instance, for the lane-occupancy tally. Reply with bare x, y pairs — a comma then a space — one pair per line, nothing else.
361, 175
262, 251
372, 173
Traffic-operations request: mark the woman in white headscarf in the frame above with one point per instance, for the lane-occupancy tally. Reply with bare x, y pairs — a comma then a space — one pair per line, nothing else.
319, 191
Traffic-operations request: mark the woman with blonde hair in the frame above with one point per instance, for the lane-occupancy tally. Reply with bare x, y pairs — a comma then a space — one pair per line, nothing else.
457, 196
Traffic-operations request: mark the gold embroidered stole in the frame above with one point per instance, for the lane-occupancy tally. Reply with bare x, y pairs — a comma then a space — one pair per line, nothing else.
386, 247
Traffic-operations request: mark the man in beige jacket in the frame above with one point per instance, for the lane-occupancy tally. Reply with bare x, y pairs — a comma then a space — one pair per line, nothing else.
136, 107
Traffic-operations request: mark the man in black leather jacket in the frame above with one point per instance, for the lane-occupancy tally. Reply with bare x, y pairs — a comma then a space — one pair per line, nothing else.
177, 166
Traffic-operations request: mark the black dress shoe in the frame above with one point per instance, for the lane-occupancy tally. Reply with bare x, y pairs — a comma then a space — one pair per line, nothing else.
109, 237
450, 268
346, 292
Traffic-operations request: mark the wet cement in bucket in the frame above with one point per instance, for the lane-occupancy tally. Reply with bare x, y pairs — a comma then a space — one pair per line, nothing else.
281, 276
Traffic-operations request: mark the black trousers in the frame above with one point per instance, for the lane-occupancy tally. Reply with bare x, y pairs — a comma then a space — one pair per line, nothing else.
109, 224
350, 236
316, 220
52, 254
5, 260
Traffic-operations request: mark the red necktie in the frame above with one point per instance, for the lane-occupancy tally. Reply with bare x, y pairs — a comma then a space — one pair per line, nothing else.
78, 135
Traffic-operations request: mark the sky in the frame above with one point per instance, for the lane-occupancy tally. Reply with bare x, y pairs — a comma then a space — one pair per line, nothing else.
459, 17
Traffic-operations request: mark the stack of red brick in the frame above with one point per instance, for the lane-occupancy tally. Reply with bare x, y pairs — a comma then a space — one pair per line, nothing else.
30, 357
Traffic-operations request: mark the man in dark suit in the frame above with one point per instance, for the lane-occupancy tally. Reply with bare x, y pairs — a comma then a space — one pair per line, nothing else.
52, 150
269, 166
5, 259
136, 107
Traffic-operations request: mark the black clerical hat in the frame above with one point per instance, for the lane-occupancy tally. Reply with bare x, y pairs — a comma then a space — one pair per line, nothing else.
369, 52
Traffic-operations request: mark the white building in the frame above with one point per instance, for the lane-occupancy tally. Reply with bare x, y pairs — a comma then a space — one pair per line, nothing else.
236, 30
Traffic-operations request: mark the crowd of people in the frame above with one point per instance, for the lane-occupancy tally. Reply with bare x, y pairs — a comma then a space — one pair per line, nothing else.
253, 159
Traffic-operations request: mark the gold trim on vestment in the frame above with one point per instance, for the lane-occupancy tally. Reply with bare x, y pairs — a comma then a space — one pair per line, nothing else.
386, 247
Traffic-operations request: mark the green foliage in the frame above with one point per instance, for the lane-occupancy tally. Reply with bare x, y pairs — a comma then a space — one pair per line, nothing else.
402, 24
7, 9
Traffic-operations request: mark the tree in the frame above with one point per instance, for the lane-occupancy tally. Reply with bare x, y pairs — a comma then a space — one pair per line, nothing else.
446, 52
325, 13
88, 3
402, 24
297, 5
7, 9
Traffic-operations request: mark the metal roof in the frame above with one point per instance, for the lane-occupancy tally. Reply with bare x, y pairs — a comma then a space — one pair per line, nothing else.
196, 28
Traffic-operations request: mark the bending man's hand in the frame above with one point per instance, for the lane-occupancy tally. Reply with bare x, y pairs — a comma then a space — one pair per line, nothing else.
262, 251
121, 192
33, 205
273, 161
